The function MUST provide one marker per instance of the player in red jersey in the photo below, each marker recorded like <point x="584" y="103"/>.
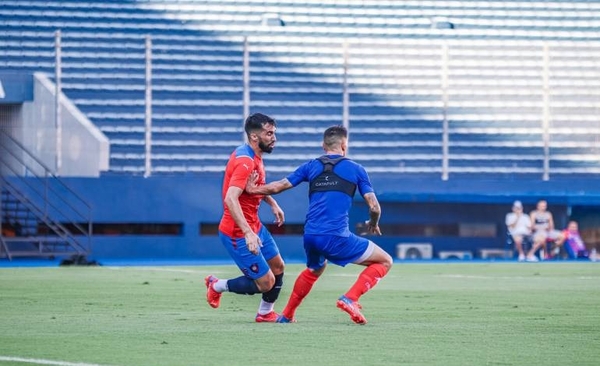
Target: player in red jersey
<point x="248" y="242"/>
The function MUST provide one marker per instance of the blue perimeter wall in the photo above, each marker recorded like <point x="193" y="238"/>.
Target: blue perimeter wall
<point x="196" y="199"/>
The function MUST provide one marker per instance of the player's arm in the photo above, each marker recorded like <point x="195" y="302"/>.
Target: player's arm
<point x="277" y="211"/>
<point x="374" y="213"/>
<point x="267" y="189"/>
<point x="235" y="209"/>
<point x="366" y="190"/>
<point x="275" y="187"/>
<point x="232" y="200"/>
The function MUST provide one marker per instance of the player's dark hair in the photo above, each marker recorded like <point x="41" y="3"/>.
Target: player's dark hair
<point x="333" y="135"/>
<point x="257" y="121"/>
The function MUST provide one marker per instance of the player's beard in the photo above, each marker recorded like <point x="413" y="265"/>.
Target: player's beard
<point x="264" y="147"/>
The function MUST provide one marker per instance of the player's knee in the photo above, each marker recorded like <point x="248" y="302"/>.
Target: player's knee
<point x="277" y="265"/>
<point x="319" y="271"/>
<point x="387" y="261"/>
<point x="266" y="282"/>
<point x="264" y="286"/>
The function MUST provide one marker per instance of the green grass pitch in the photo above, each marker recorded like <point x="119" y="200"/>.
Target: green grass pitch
<point x="420" y="314"/>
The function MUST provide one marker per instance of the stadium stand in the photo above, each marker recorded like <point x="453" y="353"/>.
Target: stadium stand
<point x="495" y="71"/>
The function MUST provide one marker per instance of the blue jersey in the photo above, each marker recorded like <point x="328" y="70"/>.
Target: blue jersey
<point x="328" y="210"/>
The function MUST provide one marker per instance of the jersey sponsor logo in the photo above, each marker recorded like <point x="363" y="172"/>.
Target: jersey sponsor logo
<point x="254" y="267"/>
<point x="246" y="166"/>
<point x="326" y="184"/>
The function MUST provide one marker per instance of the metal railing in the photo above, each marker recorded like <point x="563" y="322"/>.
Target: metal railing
<point x="63" y="217"/>
<point x="536" y="68"/>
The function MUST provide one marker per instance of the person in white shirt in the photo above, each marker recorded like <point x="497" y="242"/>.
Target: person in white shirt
<point x="543" y="230"/>
<point x="519" y="227"/>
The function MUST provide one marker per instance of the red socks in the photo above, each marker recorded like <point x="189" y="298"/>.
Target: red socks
<point x="367" y="279"/>
<point x="302" y="287"/>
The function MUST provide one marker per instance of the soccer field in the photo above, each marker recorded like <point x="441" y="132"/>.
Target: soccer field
<point x="420" y="314"/>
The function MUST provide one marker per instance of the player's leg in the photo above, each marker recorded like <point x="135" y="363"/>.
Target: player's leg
<point x="358" y="250"/>
<point x="378" y="263"/>
<point x="315" y="266"/>
<point x="257" y="276"/>
<point x="270" y="251"/>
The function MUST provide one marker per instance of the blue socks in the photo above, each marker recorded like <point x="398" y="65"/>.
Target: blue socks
<point x="242" y="285"/>
<point x="273" y="294"/>
<point x="245" y="286"/>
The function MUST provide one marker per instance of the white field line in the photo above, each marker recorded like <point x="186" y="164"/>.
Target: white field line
<point x="151" y="269"/>
<point x="288" y="274"/>
<point x="510" y="277"/>
<point x="38" y="361"/>
<point x="193" y="271"/>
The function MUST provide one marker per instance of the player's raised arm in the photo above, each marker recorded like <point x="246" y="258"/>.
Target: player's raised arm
<point x="374" y="213"/>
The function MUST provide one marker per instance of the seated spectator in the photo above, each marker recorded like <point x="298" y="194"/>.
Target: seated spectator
<point x="519" y="228"/>
<point x="572" y="242"/>
<point x="543" y="227"/>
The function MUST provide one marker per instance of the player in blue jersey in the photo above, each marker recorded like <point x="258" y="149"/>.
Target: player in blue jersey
<point x="333" y="181"/>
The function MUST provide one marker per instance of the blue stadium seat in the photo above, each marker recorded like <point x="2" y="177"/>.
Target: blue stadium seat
<point x="495" y="93"/>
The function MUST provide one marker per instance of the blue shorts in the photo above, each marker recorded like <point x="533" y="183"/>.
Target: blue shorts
<point x="339" y="250"/>
<point x="251" y="265"/>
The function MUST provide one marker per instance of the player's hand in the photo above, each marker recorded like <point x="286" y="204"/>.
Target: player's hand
<point x="253" y="242"/>
<point x="279" y="215"/>
<point x="251" y="183"/>
<point x="373" y="229"/>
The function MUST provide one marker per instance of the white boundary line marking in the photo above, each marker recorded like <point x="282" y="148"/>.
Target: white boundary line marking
<point x="481" y="277"/>
<point x="45" y="362"/>
<point x="293" y="274"/>
<point x="193" y="271"/>
<point x="158" y="269"/>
